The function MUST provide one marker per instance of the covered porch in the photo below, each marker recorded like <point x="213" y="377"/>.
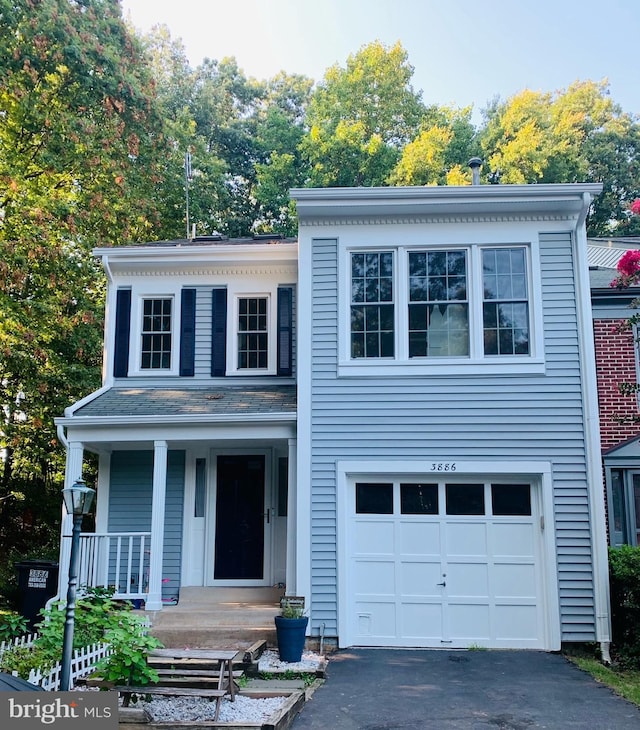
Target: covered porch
<point x="205" y="501"/>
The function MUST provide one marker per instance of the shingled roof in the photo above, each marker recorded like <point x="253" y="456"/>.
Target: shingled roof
<point x="232" y="401"/>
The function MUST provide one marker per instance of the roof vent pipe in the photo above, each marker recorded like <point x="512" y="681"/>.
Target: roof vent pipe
<point x="475" y="163"/>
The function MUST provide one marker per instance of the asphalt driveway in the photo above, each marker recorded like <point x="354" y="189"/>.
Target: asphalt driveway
<point x="382" y="689"/>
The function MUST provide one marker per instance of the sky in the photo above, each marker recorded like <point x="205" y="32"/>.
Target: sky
<point x="464" y="52"/>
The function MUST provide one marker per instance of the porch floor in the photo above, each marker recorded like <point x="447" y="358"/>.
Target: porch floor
<point x="220" y="618"/>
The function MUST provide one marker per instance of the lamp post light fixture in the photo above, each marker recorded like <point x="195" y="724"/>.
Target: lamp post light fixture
<point x="77" y="500"/>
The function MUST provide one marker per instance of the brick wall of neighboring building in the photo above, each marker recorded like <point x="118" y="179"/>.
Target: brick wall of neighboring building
<point x="615" y="363"/>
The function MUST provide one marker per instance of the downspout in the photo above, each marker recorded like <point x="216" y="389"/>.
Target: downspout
<point x="592" y="438"/>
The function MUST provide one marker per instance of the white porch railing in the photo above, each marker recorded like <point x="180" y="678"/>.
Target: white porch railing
<point x="117" y="560"/>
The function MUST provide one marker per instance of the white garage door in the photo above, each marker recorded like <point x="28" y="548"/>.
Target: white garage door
<point x="444" y="565"/>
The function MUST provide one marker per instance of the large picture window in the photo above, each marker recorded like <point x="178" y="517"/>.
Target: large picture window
<point x="440" y="304"/>
<point x="156" y="334"/>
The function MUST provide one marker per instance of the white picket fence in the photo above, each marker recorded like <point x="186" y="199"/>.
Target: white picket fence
<point x="25" y="640"/>
<point x="83" y="662"/>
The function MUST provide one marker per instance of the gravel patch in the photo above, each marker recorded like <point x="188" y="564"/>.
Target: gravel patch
<point x="270" y="662"/>
<point x="195" y="709"/>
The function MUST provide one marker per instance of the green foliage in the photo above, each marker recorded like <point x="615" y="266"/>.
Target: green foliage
<point x="131" y="644"/>
<point x="575" y="135"/>
<point x="624" y="573"/>
<point x="361" y="116"/>
<point x="95" y="613"/>
<point x="22" y="659"/>
<point x="80" y="143"/>
<point x="624" y="682"/>
<point x="98" y="618"/>
<point x="291" y="610"/>
<point x="12" y="625"/>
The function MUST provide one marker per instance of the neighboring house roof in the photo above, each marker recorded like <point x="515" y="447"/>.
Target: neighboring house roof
<point x="211" y="401"/>
<point x="603" y="255"/>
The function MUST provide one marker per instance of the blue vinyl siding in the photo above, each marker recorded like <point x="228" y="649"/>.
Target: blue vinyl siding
<point x="204" y="327"/>
<point x="130" y="505"/>
<point x="466" y="417"/>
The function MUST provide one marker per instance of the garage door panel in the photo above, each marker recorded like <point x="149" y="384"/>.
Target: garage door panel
<point x="375" y="576"/>
<point x="468" y="621"/>
<point x="465" y="538"/>
<point x="419" y="538"/>
<point x="420" y="579"/>
<point x="421" y="621"/>
<point x="376" y="620"/>
<point x="467" y="579"/>
<point x="375" y="536"/>
<point x="513" y="540"/>
<point x="516" y="623"/>
<point x="514" y="581"/>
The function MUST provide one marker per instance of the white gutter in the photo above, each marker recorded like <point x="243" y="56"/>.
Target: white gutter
<point x="163" y="420"/>
<point x="601" y="592"/>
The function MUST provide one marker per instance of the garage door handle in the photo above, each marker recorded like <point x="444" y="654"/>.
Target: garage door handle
<point x="444" y="583"/>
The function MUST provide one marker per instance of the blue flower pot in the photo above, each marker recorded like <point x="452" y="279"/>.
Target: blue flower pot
<point x="291" y="634"/>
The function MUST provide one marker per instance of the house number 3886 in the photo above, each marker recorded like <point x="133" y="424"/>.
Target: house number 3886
<point x="443" y="466"/>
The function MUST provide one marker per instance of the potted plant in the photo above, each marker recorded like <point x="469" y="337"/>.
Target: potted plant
<point x="291" y="629"/>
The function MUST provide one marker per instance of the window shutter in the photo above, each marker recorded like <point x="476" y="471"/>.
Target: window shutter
<point x="285" y="330"/>
<point x="188" y="332"/>
<point x="219" y="333"/>
<point x="123" y="329"/>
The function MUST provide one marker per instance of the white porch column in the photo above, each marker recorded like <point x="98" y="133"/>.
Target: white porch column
<point x="73" y="472"/>
<point x="160" y="453"/>
<point x="292" y="522"/>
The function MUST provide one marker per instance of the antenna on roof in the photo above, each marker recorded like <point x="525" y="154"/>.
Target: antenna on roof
<point x="188" y="177"/>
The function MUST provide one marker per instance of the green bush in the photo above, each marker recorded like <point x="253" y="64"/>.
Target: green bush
<point x="130" y="645"/>
<point x="12" y="625"/>
<point x="98" y="618"/>
<point x="624" y="574"/>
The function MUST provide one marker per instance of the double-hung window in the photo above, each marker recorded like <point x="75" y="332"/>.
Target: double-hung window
<point x="505" y="308"/>
<point x="156" y="334"/>
<point x="253" y="337"/>
<point x="438" y="304"/>
<point x="442" y="305"/>
<point x="372" y="307"/>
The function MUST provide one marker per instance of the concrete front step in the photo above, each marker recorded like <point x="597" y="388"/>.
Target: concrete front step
<point x="211" y="638"/>
<point x="218" y="618"/>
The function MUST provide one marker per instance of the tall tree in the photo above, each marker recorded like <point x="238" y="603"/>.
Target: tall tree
<point x="281" y="128"/>
<point x="439" y="154"/>
<point x="578" y="134"/>
<point x="79" y="144"/>
<point x="361" y="116"/>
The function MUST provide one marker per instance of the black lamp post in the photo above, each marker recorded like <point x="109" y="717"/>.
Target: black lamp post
<point x="77" y="500"/>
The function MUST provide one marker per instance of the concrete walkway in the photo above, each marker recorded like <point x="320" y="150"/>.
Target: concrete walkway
<point x="383" y="689"/>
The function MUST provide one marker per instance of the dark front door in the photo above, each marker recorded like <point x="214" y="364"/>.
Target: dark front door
<point x="239" y="541"/>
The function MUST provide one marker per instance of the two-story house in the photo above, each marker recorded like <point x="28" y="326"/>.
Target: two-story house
<point x="195" y="424"/>
<point x="435" y="483"/>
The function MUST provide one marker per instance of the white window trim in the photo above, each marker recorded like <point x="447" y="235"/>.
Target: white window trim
<point x="135" y="351"/>
<point x="476" y="362"/>
<point x="232" y="332"/>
